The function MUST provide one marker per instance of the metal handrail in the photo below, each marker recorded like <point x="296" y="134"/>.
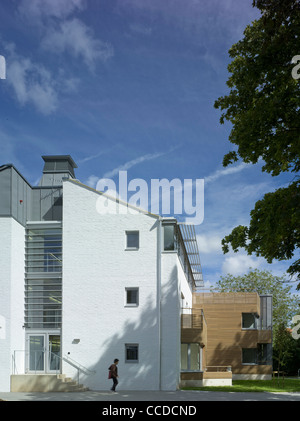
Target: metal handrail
<point x="68" y="360"/>
<point x="37" y="360"/>
<point x="78" y="366"/>
<point x="193" y="312"/>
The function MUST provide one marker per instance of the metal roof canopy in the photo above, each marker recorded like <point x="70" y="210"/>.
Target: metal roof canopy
<point x="188" y="234"/>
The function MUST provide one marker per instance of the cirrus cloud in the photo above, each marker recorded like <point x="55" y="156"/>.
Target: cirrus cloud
<point x="36" y="10"/>
<point x="32" y="83"/>
<point x="39" y="82"/>
<point x="76" y="38"/>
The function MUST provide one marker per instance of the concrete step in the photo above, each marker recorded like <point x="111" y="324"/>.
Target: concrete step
<point x="45" y="383"/>
<point x="74" y="386"/>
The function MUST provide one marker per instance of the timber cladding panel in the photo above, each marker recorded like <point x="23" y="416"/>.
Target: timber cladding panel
<point x="225" y="336"/>
<point x="194" y="335"/>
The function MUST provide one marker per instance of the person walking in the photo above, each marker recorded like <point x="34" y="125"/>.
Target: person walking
<point x="113" y="374"/>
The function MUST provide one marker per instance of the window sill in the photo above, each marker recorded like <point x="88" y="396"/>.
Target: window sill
<point x="249" y="328"/>
<point x="249" y="364"/>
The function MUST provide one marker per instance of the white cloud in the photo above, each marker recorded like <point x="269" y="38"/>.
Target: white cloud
<point x="226" y="171"/>
<point x="70" y="84"/>
<point x="92" y="181"/>
<point x="132" y="163"/>
<point x="35" y="10"/>
<point x="209" y="243"/>
<point x="74" y="37"/>
<point x="90" y="157"/>
<point x="207" y="286"/>
<point x="197" y="17"/>
<point x="62" y="33"/>
<point x="239" y="264"/>
<point x="141" y="29"/>
<point x="32" y="83"/>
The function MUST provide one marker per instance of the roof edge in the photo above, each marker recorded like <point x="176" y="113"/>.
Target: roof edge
<point x="115" y="199"/>
<point x="60" y="158"/>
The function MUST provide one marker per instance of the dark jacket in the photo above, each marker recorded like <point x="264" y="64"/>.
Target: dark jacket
<point x="114" y="370"/>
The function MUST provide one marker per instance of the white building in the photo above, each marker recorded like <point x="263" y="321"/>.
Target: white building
<point x="79" y="288"/>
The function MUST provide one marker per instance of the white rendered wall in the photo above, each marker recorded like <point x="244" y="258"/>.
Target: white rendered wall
<point x="173" y="285"/>
<point x="12" y="236"/>
<point x="185" y="289"/>
<point x="170" y="322"/>
<point x="96" y="270"/>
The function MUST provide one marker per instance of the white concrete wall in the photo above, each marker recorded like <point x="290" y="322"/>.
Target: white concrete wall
<point x="170" y="322"/>
<point x="173" y="284"/>
<point x="12" y="237"/>
<point x="184" y="287"/>
<point x="251" y="376"/>
<point x="96" y="271"/>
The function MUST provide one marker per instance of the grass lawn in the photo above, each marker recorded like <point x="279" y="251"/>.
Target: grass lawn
<point x="288" y="385"/>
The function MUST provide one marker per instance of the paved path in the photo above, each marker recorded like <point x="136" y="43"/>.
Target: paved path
<point x="154" y="396"/>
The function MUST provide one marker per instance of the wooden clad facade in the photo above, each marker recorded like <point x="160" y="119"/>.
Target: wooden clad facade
<point x="232" y="337"/>
<point x="226" y="337"/>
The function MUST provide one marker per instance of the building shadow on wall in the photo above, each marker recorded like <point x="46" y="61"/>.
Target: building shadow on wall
<point x="225" y="356"/>
<point x="232" y="355"/>
<point x="145" y="332"/>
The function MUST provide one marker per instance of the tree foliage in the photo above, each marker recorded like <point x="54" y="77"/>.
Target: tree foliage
<point x="274" y="227"/>
<point x="263" y="106"/>
<point x="285" y="304"/>
<point x="286" y="351"/>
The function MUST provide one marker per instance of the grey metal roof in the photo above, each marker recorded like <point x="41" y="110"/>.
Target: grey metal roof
<point x="67" y="158"/>
<point x="190" y="241"/>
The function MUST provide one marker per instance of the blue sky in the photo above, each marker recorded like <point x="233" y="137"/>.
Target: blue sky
<point x="131" y="84"/>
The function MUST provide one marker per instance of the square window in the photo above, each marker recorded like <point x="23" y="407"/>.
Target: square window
<point x="131" y="353"/>
<point x="248" y="321"/>
<point x="249" y="356"/>
<point x="132" y="240"/>
<point x="131" y="297"/>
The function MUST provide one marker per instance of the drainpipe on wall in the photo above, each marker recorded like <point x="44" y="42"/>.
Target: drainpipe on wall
<point x="159" y="240"/>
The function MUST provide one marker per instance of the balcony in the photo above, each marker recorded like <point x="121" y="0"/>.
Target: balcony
<point x="264" y="336"/>
<point x="193" y="331"/>
<point x="193" y="326"/>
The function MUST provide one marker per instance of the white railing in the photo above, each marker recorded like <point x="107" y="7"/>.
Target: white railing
<point x="39" y="360"/>
<point x="79" y="367"/>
